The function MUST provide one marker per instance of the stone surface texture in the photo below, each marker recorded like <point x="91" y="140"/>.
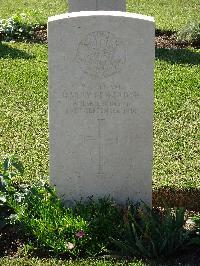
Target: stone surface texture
<point x="106" y="5"/>
<point x="101" y="105"/>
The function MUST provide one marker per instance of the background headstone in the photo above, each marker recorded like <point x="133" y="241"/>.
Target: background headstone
<point x="101" y="105"/>
<point x="107" y="5"/>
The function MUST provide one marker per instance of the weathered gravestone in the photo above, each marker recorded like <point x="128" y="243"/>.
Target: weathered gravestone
<point x="101" y="105"/>
<point x="81" y="5"/>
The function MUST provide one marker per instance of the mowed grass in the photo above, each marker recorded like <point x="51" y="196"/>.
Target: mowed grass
<point x="54" y="262"/>
<point x="24" y="112"/>
<point x="184" y="260"/>
<point x="37" y="10"/>
<point x="169" y="14"/>
<point x="24" y="106"/>
<point x="177" y="118"/>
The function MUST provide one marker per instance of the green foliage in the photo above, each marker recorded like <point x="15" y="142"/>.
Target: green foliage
<point x="90" y="228"/>
<point x="16" y="27"/>
<point x="152" y="233"/>
<point x="39" y="211"/>
<point x="52" y="227"/>
<point x="83" y="230"/>
<point x="105" y="220"/>
<point x="41" y="214"/>
<point x="9" y="168"/>
<point x="190" y="33"/>
<point x="196" y="219"/>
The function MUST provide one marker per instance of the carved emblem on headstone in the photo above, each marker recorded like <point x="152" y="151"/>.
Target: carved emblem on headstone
<point x="101" y="54"/>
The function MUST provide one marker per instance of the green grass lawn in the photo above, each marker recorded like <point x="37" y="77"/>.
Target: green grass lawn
<point x="177" y="118"/>
<point x="169" y="14"/>
<point x="181" y="261"/>
<point x="54" y="262"/>
<point x="24" y="115"/>
<point x="23" y="105"/>
<point x="37" y="10"/>
<point x="95" y="262"/>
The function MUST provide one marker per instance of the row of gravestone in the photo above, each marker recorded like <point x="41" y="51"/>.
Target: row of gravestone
<point x="106" y="5"/>
<point x="101" y="102"/>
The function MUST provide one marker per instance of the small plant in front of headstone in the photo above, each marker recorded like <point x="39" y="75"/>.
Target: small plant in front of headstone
<point x="105" y="219"/>
<point x="190" y="33"/>
<point x="53" y="228"/>
<point x="80" y="231"/>
<point x="17" y="27"/>
<point x="91" y="228"/>
<point x="153" y="233"/>
<point x="38" y="212"/>
<point x="9" y="168"/>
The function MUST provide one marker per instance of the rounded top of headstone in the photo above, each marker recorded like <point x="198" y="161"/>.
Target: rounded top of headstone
<point x="92" y="5"/>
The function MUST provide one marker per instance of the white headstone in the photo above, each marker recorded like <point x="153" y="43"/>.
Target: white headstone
<point x="101" y="105"/>
<point x="106" y="5"/>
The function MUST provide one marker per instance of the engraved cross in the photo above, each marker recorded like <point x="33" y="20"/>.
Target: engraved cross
<point x="101" y="141"/>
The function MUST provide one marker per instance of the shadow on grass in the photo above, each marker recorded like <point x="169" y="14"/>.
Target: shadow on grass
<point x="188" y="257"/>
<point x="178" y="56"/>
<point x="9" y="52"/>
<point x="161" y="32"/>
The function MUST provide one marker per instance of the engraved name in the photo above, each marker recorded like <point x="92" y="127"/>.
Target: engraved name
<point x="101" y="101"/>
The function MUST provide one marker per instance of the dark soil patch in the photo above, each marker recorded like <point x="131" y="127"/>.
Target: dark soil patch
<point x="189" y="257"/>
<point x="165" y="39"/>
<point x="11" y="240"/>
<point x="172" y="197"/>
<point x="170" y="41"/>
<point x="40" y="34"/>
